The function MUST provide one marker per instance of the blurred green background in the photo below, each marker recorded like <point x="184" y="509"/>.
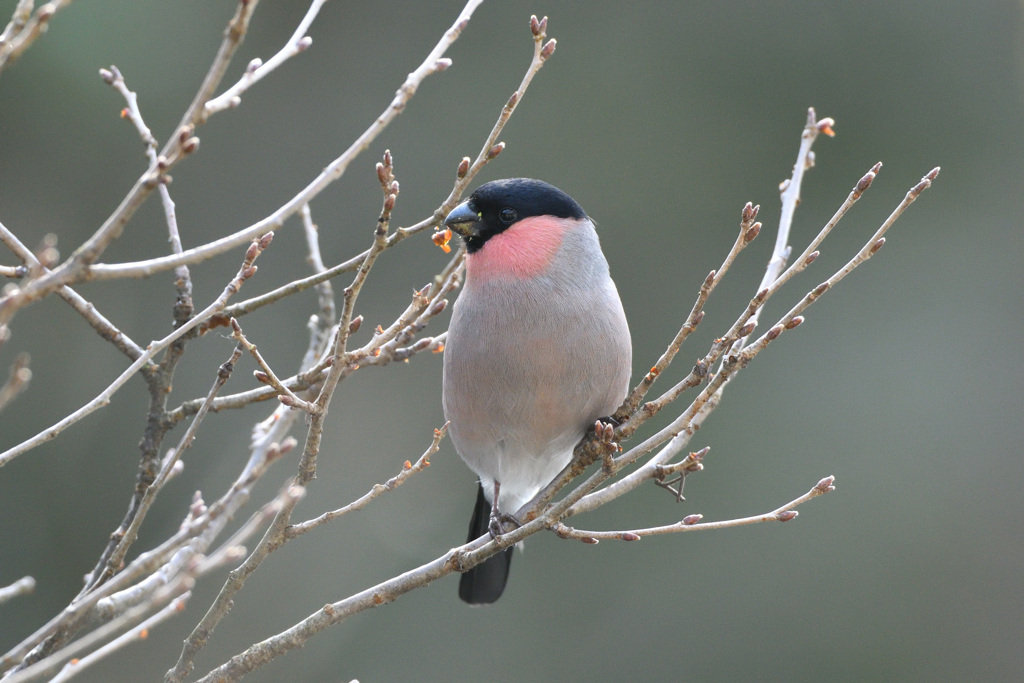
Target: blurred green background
<point x="661" y="119"/>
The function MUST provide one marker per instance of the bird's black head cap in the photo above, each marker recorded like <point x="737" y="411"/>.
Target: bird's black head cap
<point x="499" y="204"/>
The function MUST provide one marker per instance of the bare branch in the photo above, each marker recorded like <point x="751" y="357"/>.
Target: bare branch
<point x="167" y="467"/>
<point x="434" y="63"/>
<point x="180" y="145"/>
<point x="247" y="270"/>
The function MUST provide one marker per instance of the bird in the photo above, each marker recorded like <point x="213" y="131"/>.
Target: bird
<point x="538" y="349"/>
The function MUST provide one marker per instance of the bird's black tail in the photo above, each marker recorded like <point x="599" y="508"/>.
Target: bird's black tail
<point x="485" y="582"/>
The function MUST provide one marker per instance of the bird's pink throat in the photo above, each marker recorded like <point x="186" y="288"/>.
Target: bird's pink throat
<point x="524" y="250"/>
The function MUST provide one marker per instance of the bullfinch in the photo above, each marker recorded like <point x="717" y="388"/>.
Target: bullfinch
<point x="538" y="349"/>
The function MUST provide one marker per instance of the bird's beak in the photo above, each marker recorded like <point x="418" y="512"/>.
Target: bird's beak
<point x="463" y="220"/>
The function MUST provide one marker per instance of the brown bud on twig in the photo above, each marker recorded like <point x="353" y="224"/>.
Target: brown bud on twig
<point x="820" y="289"/>
<point x="797" y="320"/>
<point x="630" y="536"/>
<point x="864" y="183"/>
<point x="249" y="272"/>
<point x="304" y="43"/>
<point x="548" y="49"/>
<point x="750" y="212"/>
<point x="107" y="76"/>
<point x="496" y="150"/>
<point x="438" y="306"/>
<point x="252" y="252"/>
<point x="382" y="174"/>
<point x="933" y="174"/>
<point x="810" y="257"/>
<point x="879" y="243"/>
<point x="747" y="329"/>
<point x="589" y="540"/>
<point x="190" y="145"/>
<point x="353" y="326"/>
<point x="752" y="232"/>
<point x="774" y="332"/>
<point x="690" y="520"/>
<point x="185" y="132"/>
<point x="463" y="168"/>
<point x="422" y="344"/>
<point x="266" y="240"/>
<point x="261" y="376"/>
<point x="534" y="25"/>
<point x="288" y="401"/>
<point x="826" y="485"/>
<point x="389" y="203"/>
<point x="512" y="100"/>
<point x="786" y="515"/>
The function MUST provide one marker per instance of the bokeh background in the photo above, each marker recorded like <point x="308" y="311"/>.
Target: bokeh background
<point x="661" y="119"/>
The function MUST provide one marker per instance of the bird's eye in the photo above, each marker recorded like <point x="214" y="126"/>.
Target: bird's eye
<point x="507" y="215"/>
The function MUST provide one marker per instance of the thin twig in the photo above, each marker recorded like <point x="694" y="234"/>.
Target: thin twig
<point x="408" y="469"/>
<point x="257" y="69"/>
<point x="23" y="586"/>
<point x="784" y="513"/>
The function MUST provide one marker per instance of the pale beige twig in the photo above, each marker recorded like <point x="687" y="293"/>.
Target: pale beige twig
<point x="23" y="586"/>
<point x="784" y="513"/>
<point x="257" y="68"/>
<point x="266" y="373"/>
<point x="391" y="484"/>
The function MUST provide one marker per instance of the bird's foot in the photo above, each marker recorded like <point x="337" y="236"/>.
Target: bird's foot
<point x="500" y="522"/>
